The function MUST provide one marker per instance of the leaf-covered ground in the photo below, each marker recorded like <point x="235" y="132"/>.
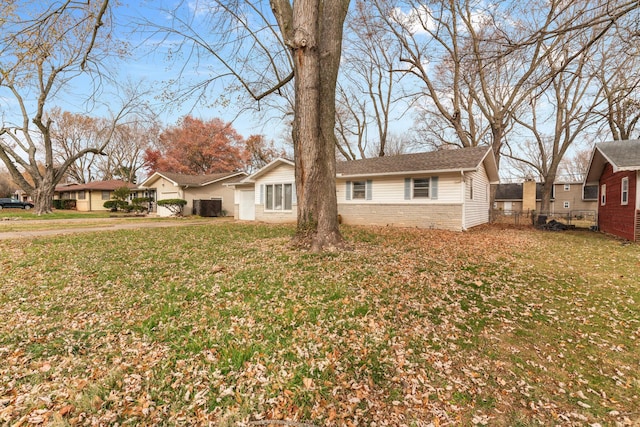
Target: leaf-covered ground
<point x="227" y="325"/>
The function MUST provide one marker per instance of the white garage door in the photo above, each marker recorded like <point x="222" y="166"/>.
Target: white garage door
<point x="247" y="209"/>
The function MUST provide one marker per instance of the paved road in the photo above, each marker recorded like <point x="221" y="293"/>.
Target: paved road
<point x="66" y="227"/>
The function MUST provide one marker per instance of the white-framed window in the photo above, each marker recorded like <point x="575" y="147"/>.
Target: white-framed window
<point x="106" y="195"/>
<point x="566" y="205"/>
<point x="421" y="188"/>
<point x="278" y="197"/>
<point x="359" y="190"/>
<point x="603" y="194"/>
<point x="470" y="188"/>
<point x="624" y="191"/>
<point x="567" y="187"/>
<point x="81" y="195"/>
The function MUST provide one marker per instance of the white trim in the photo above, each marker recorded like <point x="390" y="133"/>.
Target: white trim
<point x="405" y="173"/>
<point x="623" y="192"/>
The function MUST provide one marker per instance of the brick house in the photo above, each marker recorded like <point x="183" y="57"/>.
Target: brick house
<point x="92" y="195"/>
<point x="615" y="168"/>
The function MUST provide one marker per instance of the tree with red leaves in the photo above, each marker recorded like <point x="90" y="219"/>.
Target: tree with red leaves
<point x="198" y="147"/>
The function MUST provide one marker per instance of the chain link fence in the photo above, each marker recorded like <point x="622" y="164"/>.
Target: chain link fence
<point x="586" y="219"/>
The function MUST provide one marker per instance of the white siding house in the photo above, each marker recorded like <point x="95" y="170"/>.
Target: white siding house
<point x="274" y="194"/>
<point x="446" y="189"/>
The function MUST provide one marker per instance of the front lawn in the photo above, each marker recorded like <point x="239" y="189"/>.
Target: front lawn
<point x="225" y="323"/>
<point x="8" y="214"/>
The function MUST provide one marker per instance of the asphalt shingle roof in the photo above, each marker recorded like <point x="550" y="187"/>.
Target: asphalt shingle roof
<point x="624" y="154"/>
<point x="511" y="191"/>
<point x="434" y="161"/>
<point x="110" y="185"/>
<point x="195" y="180"/>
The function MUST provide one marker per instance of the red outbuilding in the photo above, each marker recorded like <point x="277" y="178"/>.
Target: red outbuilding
<point x="615" y="168"/>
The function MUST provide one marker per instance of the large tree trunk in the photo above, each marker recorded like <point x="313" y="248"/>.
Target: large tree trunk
<point x="313" y="30"/>
<point x="43" y="195"/>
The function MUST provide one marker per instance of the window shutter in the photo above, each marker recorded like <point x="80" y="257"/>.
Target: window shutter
<point x="434" y="188"/>
<point x="294" y="194"/>
<point x="407" y="188"/>
<point x="348" y="191"/>
<point x="367" y="190"/>
<point x="262" y="194"/>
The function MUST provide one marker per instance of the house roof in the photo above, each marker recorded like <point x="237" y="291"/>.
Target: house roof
<point x="457" y="160"/>
<point x="509" y="191"/>
<point x="110" y="185"/>
<point x="183" y="180"/>
<point x="462" y="159"/>
<point x="622" y="155"/>
<point x="513" y="192"/>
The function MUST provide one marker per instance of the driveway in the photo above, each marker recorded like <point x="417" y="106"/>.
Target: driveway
<point x="106" y="224"/>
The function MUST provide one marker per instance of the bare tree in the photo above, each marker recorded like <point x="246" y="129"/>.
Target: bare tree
<point x="395" y="144"/>
<point x="572" y="105"/>
<point x="43" y="47"/>
<point x="125" y="153"/>
<point x="616" y="64"/>
<point x="574" y="167"/>
<point x="72" y="133"/>
<point x="479" y="63"/>
<point x="351" y="124"/>
<point x="261" y="51"/>
<point x="7" y="187"/>
<point x="370" y="88"/>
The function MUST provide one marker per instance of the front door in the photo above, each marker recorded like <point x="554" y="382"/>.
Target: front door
<point x="247" y="208"/>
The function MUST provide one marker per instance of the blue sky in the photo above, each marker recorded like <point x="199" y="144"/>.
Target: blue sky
<point x="149" y="64"/>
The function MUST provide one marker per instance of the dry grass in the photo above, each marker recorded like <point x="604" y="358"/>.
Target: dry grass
<point x="226" y="324"/>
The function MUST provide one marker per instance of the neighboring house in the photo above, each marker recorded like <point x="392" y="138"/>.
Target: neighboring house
<point x="446" y="189"/>
<point x="268" y="195"/>
<point x="90" y="196"/>
<point x="573" y="198"/>
<point x="615" y="168"/>
<point x="22" y="196"/>
<point x="168" y="185"/>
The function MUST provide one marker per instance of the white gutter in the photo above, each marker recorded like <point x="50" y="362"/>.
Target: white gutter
<point x="426" y="172"/>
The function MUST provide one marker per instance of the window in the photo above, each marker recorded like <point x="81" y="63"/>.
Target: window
<point x="624" y="191"/>
<point x="566" y="205"/>
<point x="470" y="188"/>
<point x="421" y="188"/>
<point x="106" y="195"/>
<point x="603" y="194"/>
<point x="81" y="195"/>
<point x="567" y="187"/>
<point x="278" y="197"/>
<point x="359" y="190"/>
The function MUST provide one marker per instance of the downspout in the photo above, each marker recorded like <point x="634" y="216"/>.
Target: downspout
<point x="464" y="207"/>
